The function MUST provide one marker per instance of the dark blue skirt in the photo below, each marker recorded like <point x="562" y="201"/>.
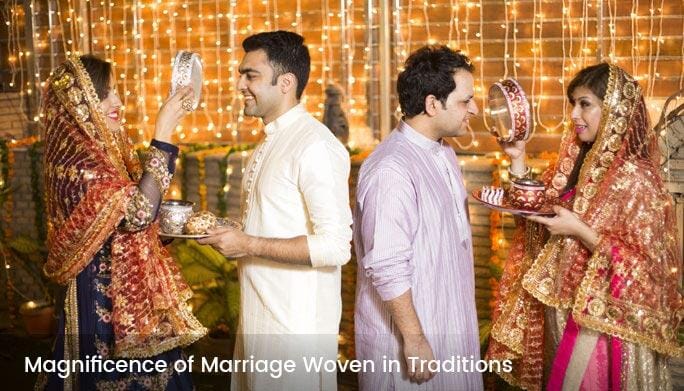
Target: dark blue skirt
<point x="96" y="337"/>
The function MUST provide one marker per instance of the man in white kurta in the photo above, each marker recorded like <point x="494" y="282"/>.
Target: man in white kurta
<point x="295" y="184"/>
<point x="295" y="201"/>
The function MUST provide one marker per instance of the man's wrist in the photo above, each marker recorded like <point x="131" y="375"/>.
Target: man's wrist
<point x="249" y="245"/>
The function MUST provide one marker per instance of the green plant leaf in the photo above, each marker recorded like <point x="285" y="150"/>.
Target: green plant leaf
<point x="193" y="253"/>
<point x="209" y="254"/>
<point x="183" y="254"/>
<point x="24" y="245"/>
<point x="229" y="266"/>
<point x="496" y="271"/>
<point x="210" y="313"/>
<point x="485" y="330"/>
<point x="197" y="274"/>
<point x="232" y="291"/>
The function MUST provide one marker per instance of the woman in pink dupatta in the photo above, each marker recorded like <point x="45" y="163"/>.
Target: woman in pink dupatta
<point x="591" y="298"/>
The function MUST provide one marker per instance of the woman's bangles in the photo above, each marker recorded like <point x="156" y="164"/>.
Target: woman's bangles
<point x="519" y="176"/>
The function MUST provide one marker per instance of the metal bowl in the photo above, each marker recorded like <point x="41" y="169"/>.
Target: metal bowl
<point x="173" y="214"/>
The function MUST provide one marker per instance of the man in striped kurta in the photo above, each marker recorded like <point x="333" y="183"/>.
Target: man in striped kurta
<point x="415" y="295"/>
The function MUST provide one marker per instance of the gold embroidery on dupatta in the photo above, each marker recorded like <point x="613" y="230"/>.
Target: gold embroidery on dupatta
<point x="596" y="310"/>
<point x="596" y="163"/>
<point x="593" y="306"/>
<point x="71" y="252"/>
<point x="82" y="103"/>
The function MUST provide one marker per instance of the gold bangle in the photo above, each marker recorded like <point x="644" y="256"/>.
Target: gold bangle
<point x="519" y="176"/>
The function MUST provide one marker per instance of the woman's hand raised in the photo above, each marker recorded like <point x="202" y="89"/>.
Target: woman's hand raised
<point x="516" y="152"/>
<point x="514" y="149"/>
<point x="171" y="113"/>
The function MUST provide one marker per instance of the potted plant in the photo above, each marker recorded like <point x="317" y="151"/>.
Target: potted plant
<point x="213" y="279"/>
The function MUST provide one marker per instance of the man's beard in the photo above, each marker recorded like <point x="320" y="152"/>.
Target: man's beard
<point x="251" y="111"/>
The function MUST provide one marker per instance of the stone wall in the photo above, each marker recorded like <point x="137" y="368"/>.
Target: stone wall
<point x="23" y="212"/>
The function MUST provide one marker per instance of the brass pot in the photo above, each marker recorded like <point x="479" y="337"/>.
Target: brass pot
<point x="39" y="318"/>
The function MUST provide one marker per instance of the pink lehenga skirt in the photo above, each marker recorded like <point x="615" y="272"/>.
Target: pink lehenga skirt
<point x="587" y="360"/>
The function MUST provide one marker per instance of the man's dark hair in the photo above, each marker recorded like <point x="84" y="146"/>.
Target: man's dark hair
<point x="429" y="71"/>
<point x="286" y="52"/>
<point x="594" y="78"/>
<point x="100" y="72"/>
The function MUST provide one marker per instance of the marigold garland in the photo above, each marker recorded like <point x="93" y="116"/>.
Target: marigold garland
<point x="202" y="176"/>
<point x="186" y="149"/>
<point x="201" y="167"/>
<point x="182" y="163"/>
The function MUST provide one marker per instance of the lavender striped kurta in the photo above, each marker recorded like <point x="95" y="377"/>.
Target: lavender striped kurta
<point x="411" y="231"/>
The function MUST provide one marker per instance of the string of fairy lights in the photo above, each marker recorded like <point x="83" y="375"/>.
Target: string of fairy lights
<point x="10" y="16"/>
<point x="574" y="24"/>
<point x="140" y="38"/>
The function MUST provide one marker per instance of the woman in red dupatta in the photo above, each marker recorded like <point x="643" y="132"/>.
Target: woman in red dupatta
<point x="591" y="298"/>
<point x="125" y="296"/>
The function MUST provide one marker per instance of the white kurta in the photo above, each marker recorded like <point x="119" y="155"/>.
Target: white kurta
<point x="296" y="183"/>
